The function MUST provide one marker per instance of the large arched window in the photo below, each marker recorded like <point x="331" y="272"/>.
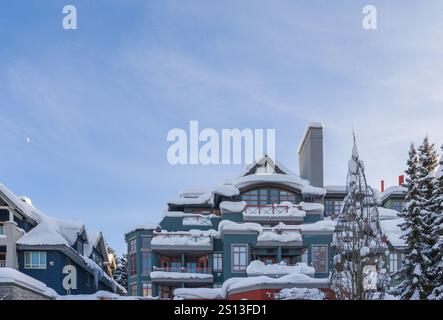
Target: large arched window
<point x="268" y="195"/>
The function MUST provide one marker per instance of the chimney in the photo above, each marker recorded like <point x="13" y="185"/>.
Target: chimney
<point x="382" y="186"/>
<point x="401" y="180"/>
<point x="310" y="153"/>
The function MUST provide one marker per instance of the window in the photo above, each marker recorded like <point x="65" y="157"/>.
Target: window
<point x="329" y="208"/>
<point x="147" y="263"/>
<point x="132" y="245"/>
<point x="218" y="261"/>
<point x="393" y="262"/>
<point x="35" y="260"/>
<point x="304" y="257"/>
<point x="97" y="259"/>
<point x="2" y="228"/>
<point x="146" y="243"/>
<point x="147" y="289"/>
<point x="133" y="289"/>
<point x="239" y="257"/>
<point x="263" y="196"/>
<point x="320" y="258"/>
<point x="337" y="207"/>
<point x="133" y="260"/>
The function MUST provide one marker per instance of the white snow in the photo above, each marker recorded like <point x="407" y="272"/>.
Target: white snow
<point x="227" y="190"/>
<point x="197" y="220"/>
<point x="387" y="214"/>
<point x="326" y="225"/>
<point x="283" y="236"/>
<point x="198" y="293"/>
<point x="257" y="268"/>
<point x="227" y="226"/>
<point x="202" y="199"/>
<point x="311" y="206"/>
<point x="179" y="275"/>
<point x="300" y="294"/>
<point x="232" y="206"/>
<point x="102" y="295"/>
<point x="290" y="280"/>
<point x="336" y="189"/>
<point x="392" y="190"/>
<point x="392" y="231"/>
<point x="9" y="275"/>
<point x="146" y="226"/>
<point x="183" y="238"/>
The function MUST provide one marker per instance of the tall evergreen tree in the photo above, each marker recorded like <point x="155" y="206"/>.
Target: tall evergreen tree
<point x="358" y="272"/>
<point x="436" y="255"/>
<point x="121" y="273"/>
<point x="411" y="272"/>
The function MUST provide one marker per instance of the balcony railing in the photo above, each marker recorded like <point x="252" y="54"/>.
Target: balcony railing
<point x="205" y="270"/>
<point x="270" y="209"/>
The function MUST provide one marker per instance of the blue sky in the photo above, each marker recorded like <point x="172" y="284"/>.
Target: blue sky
<point x="98" y="102"/>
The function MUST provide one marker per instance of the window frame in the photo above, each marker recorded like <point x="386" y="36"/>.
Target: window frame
<point x="217" y="261"/>
<point x="132" y="245"/>
<point x="234" y="267"/>
<point x="148" y="287"/>
<point x="133" y="264"/>
<point x="29" y="263"/>
<point x="146" y="262"/>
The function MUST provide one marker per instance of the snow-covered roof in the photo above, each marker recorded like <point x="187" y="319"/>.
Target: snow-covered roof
<point x="258" y="268"/>
<point x="283" y="236"/>
<point x="146" y="226"/>
<point x="231" y="206"/>
<point x="183" y="238"/>
<point x="234" y="285"/>
<point x="398" y="190"/>
<point x="198" y="294"/>
<point x="227" y="226"/>
<point x="10" y="275"/>
<point x="325" y="225"/>
<point x="25" y="206"/>
<point x="392" y="231"/>
<point x="387" y="214"/>
<point x="103" y="295"/>
<point x="193" y="192"/>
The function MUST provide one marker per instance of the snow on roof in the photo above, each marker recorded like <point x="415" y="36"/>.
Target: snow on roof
<point x="227" y="190"/>
<point x="231" y="206"/>
<point x="146" y="226"/>
<point x="311" y="206"/>
<point x="198" y="293"/>
<point x="230" y="226"/>
<point x="202" y="199"/>
<point x="183" y="238"/>
<point x="282" y="236"/>
<point x="326" y="225"/>
<point x="290" y="280"/>
<point x="180" y="275"/>
<point x="27" y="209"/>
<point x="9" y="275"/>
<point x="392" y="190"/>
<point x="193" y="192"/>
<point x="290" y="180"/>
<point x="257" y="268"/>
<point x="392" y="231"/>
<point x="300" y="294"/>
<point x="102" y="295"/>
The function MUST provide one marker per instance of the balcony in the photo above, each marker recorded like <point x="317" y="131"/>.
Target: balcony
<point x="260" y="213"/>
<point x="177" y="275"/>
<point x="195" y="241"/>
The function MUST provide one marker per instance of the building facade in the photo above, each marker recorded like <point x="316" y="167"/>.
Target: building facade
<point x="61" y="254"/>
<point x="206" y="237"/>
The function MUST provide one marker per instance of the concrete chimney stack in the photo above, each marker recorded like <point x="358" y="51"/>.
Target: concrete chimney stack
<point x="310" y="153"/>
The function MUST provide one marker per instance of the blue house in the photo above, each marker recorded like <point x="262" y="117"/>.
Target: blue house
<point x="62" y="254"/>
<point x="268" y="221"/>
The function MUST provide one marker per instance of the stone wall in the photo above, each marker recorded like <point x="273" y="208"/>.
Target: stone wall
<point x="12" y="291"/>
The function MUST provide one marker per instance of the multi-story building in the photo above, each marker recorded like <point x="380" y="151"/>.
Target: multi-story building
<point x="62" y="254"/>
<point x="208" y="236"/>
